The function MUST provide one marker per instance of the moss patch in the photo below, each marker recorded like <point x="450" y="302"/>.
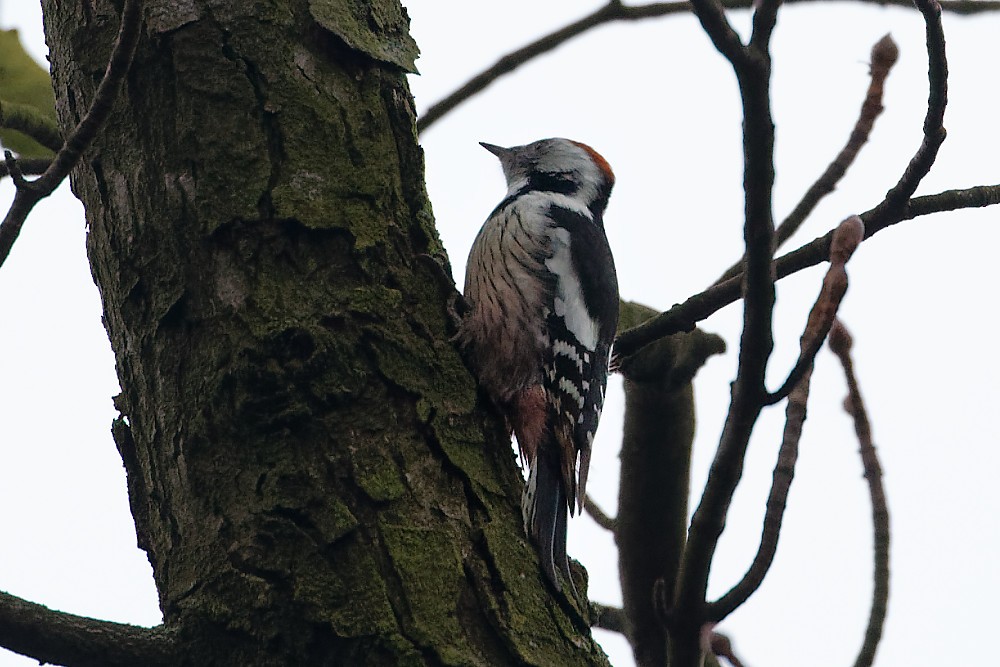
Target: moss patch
<point x="378" y="29"/>
<point x="430" y="572"/>
<point x="351" y="597"/>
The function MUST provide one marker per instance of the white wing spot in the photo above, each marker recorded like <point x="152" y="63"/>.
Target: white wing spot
<point x="569" y="301"/>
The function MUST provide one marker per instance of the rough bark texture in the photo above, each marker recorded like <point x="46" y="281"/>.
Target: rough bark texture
<point x="308" y="468"/>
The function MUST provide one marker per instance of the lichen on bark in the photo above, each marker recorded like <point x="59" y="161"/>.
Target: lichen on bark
<point x="309" y="468"/>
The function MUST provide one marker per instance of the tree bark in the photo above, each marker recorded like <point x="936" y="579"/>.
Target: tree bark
<point x="651" y="527"/>
<point x="309" y="469"/>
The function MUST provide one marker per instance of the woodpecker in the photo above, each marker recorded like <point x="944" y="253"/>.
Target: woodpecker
<point x="543" y="309"/>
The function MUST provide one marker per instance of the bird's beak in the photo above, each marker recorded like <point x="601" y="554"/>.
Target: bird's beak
<point x="499" y="151"/>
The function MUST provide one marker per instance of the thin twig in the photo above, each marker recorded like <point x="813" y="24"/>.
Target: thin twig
<point x="14" y="170"/>
<point x="883" y="56"/>
<point x="781" y="482"/>
<point x="29" y="194"/>
<point x="846" y="240"/>
<point x="840" y="343"/>
<point x="713" y="20"/>
<point x="950" y="200"/>
<point x="722" y="647"/>
<point x="937" y="100"/>
<point x="963" y="7"/>
<point x="897" y="206"/>
<point x="612" y="11"/>
<point x="66" y="639"/>
<point x="606" y="522"/>
<point x="684" y="316"/>
<point x="615" y="10"/>
<point x="764" y="17"/>
<point x="33" y="166"/>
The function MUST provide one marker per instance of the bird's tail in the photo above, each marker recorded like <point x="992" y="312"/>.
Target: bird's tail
<point x="544" y="506"/>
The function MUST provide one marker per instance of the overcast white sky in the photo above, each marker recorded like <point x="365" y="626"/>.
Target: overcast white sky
<point x="657" y="101"/>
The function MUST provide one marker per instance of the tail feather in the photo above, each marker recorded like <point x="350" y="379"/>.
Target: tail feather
<point x="545" y="509"/>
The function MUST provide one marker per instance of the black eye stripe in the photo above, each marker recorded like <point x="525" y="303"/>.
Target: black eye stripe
<point x="559" y="182"/>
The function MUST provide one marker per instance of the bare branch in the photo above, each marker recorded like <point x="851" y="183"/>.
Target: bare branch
<point x="606" y="522"/>
<point x="14" y="170"/>
<point x="615" y="10"/>
<point x="684" y="316"/>
<point x="846" y="240"/>
<point x="717" y="27"/>
<point x="883" y="56"/>
<point x="607" y="618"/>
<point x="950" y="200"/>
<point x="753" y="69"/>
<point x="896" y="206"/>
<point x="722" y="647"/>
<point x="76" y="641"/>
<point x="840" y="343"/>
<point x="29" y="194"/>
<point x="934" y="132"/>
<point x="764" y="16"/>
<point x="31" y="166"/>
<point x="963" y="7"/>
<point x="878" y="219"/>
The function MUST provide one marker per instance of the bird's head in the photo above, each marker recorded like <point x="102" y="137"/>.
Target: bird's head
<point x="560" y="166"/>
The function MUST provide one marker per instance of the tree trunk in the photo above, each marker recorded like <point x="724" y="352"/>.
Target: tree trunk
<point x="655" y="478"/>
<point x="308" y="467"/>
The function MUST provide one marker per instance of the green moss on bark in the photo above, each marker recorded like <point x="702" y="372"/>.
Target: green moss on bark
<point x="310" y="470"/>
<point x="429" y="569"/>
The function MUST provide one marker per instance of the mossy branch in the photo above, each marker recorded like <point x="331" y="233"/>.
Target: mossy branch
<point x="655" y="474"/>
<point x="77" y="641"/>
<point x="28" y="120"/>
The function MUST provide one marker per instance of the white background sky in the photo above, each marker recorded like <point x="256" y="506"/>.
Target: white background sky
<point x="658" y="102"/>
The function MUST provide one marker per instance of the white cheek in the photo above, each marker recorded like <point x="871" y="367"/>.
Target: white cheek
<point x="515" y="186"/>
